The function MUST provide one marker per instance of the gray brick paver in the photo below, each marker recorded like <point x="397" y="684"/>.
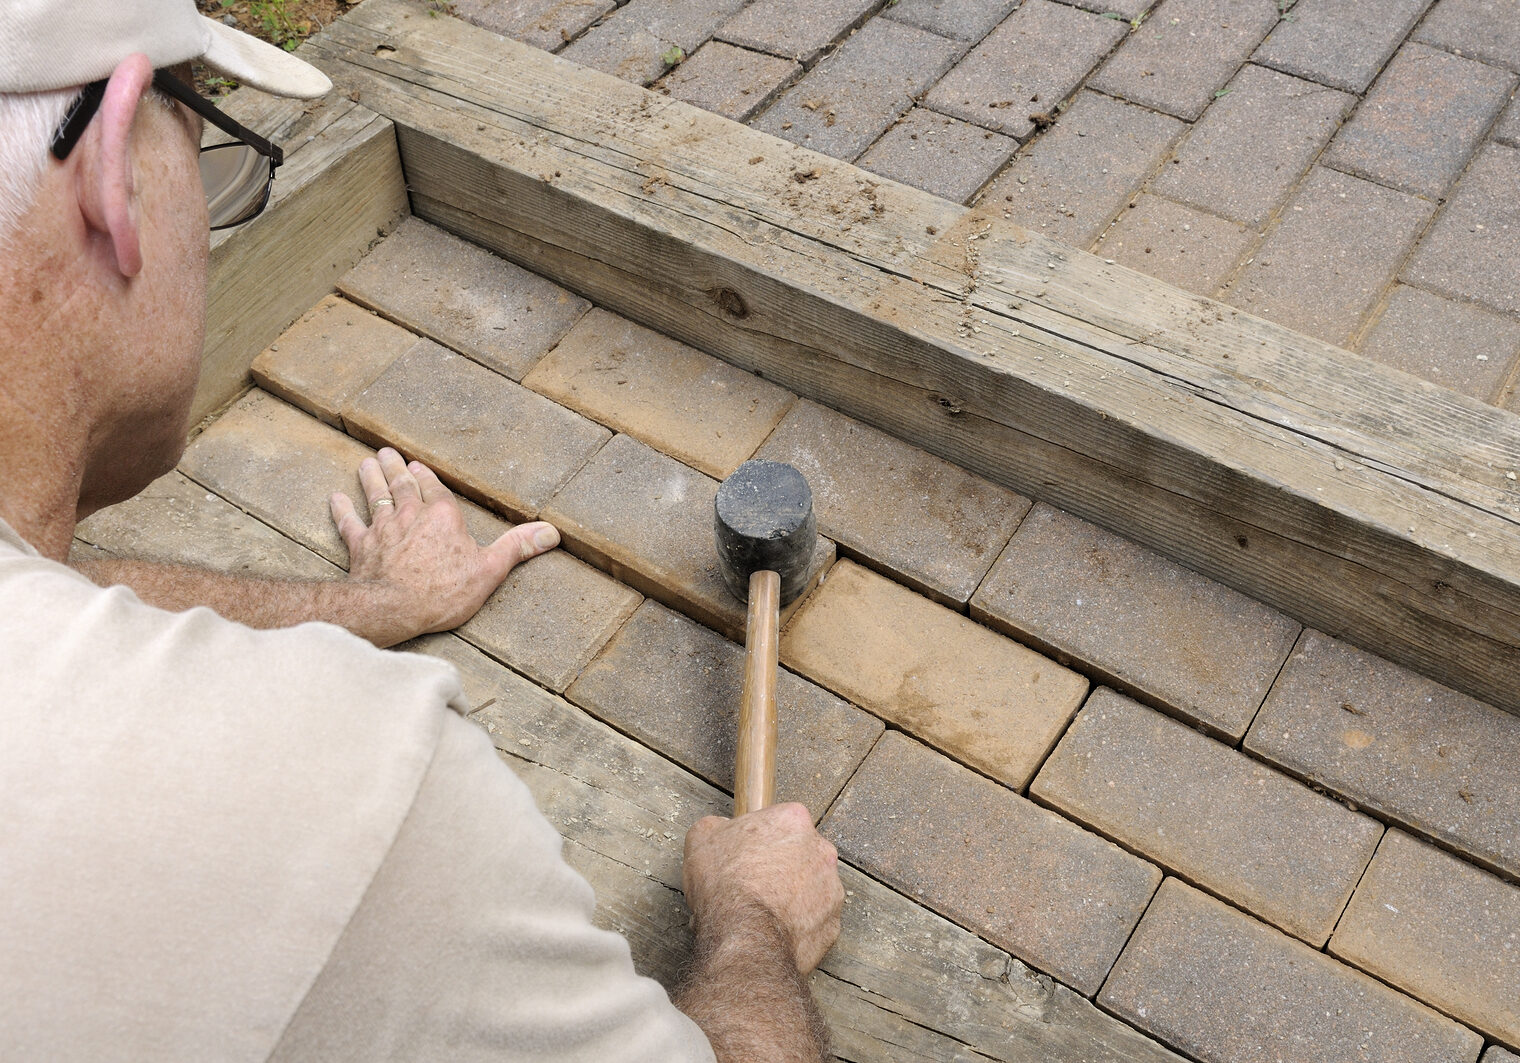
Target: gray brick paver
<point x="1073" y="180"/>
<point x="1340" y="43"/>
<point x="1458" y="345"/>
<point x="635" y="40"/>
<point x="674" y="685"/>
<point x="464" y="297"/>
<point x="939" y="154"/>
<point x="1136" y="619"/>
<point x="794" y="29"/>
<point x="1483" y="29"/>
<point x="1411" y="751"/>
<point x="1176" y="243"/>
<point x="1422" y="121"/>
<point x="1221" y="987"/>
<point x="1473" y="249"/>
<point x="1495" y="1054"/>
<point x="1034" y="60"/>
<point x="1200" y="809"/>
<point x="733" y="82"/>
<point x="1023" y="878"/>
<point x="1441" y="930"/>
<point x="963" y="20"/>
<point x="1185" y="52"/>
<point x="1340" y="243"/>
<point x="1508" y="129"/>
<point x="1250" y="148"/>
<point x="849" y="99"/>
<point x="927" y="522"/>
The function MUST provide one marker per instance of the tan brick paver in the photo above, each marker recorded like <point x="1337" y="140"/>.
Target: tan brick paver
<point x="1176" y="243"/>
<point x="981" y="698"/>
<point x="733" y="82"/>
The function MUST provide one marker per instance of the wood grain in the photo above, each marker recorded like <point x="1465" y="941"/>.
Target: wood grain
<point x="339" y="190"/>
<point x="1355" y="498"/>
<point x="755" y="750"/>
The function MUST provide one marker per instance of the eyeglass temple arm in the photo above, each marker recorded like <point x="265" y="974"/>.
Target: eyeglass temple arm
<point x="173" y="86"/>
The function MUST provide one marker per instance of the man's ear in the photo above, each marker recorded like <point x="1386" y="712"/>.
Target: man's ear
<point x="107" y="196"/>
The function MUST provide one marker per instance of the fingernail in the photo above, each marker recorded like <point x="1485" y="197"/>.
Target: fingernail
<point x="546" y="537"/>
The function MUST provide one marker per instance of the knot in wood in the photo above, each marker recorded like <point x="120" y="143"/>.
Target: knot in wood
<point x="730" y="302"/>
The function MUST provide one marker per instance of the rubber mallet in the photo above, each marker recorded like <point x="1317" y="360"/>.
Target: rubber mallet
<point x="766" y="533"/>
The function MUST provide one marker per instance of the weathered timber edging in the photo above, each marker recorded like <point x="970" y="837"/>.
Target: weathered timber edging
<point x="1362" y="501"/>
<point x="339" y="189"/>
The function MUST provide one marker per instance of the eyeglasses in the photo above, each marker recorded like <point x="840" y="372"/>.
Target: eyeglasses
<point x="236" y="176"/>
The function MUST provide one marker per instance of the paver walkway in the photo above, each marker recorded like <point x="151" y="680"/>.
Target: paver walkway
<point x="1350" y="168"/>
<point x="1092" y="805"/>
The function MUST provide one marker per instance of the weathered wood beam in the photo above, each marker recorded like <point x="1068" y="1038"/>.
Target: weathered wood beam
<point x="339" y="189"/>
<point x="1360" y="500"/>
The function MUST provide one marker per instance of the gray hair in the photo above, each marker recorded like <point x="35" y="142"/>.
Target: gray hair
<point x="27" y="123"/>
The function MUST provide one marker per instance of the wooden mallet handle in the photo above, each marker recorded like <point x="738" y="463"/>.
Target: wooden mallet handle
<point x="755" y="758"/>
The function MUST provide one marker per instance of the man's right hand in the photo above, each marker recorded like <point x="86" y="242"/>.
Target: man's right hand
<point x="773" y="858"/>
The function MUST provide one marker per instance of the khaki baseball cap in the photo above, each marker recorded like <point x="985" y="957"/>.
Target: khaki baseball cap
<point x="58" y="44"/>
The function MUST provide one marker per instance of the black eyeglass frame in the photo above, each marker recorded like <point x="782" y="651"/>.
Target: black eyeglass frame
<point x="83" y="109"/>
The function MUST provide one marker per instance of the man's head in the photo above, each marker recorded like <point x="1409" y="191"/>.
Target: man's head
<point x="103" y="221"/>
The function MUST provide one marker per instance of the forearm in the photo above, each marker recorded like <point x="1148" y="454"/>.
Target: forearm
<point x="745" y="992"/>
<point x="362" y="606"/>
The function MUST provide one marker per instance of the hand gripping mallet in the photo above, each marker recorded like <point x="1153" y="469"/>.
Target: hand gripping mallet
<point x="766" y="532"/>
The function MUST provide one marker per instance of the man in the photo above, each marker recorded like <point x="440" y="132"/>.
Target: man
<point x="218" y="842"/>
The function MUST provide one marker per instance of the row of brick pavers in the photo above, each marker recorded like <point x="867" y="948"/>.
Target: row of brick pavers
<point x="980" y="800"/>
<point x="1351" y="169"/>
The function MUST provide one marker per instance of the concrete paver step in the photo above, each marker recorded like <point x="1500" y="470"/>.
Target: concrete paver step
<point x="1339" y="43"/>
<point x="1201" y="810"/>
<point x="1018" y="875"/>
<point x="1218" y="986"/>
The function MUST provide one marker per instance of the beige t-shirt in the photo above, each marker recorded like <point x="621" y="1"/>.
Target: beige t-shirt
<point x="220" y="843"/>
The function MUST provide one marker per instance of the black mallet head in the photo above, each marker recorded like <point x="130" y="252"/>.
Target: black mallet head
<point x="763" y="519"/>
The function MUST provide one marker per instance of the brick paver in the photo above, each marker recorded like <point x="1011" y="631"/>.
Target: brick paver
<point x="1441" y="930"/>
<point x="677" y="399"/>
<point x="981" y="698"/>
<point x="1340" y="242"/>
<point x="546" y="24"/>
<point x="1177" y="244"/>
<point x="1055" y="896"/>
<point x="1201" y="810"/>
<point x="493" y="440"/>
<point x="280" y="465"/>
<point x="849" y="99"/>
<point x="964" y="20"/>
<point x="551" y="617"/>
<point x="674" y="685"/>
<point x="939" y="154"/>
<point x="462" y="295"/>
<point x="648" y="519"/>
<point x="1495" y="1054"/>
<point x="1340" y="43"/>
<point x="1071" y="182"/>
<point x="1251" y="147"/>
<point x="176" y="521"/>
<point x="794" y="29"/>
<point x="1473" y="249"/>
<point x="1143" y="623"/>
<point x="927" y="522"/>
<point x="733" y="82"/>
<point x="1220" y="987"/>
<point x="1483" y="29"/>
<point x="1027" y="66"/>
<point x="1459" y="345"/>
<point x="1508" y="129"/>
<point x="1413" y="752"/>
<point x="644" y="38"/>
<point x="330" y="355"/>
<point x="1422" y="121"/>
<point x="1185" y="52"/>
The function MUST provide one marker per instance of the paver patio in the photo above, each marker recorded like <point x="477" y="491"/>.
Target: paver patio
<point x="1092" y="805"/>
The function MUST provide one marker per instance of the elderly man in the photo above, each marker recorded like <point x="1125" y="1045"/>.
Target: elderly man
<point x="221" y="842"/>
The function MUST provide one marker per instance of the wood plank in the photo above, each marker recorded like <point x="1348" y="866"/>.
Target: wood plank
<point x="340" y="189"/>
<point x="1355" y="498"/>
<point x="901" y="984"/>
